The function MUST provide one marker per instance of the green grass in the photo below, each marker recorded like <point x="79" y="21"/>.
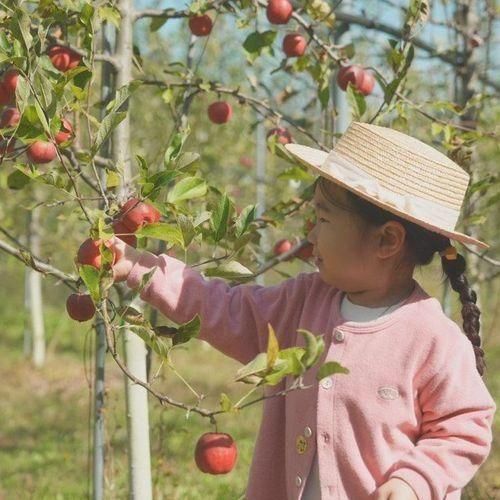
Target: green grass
<point x="44" y="415"/>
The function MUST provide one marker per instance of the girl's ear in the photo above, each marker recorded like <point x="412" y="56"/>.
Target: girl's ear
<point x="391" y="239"/>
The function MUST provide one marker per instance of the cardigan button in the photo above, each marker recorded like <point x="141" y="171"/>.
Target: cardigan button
<point x="339" y="335"/>
<point x="298" y="481"/>
<point x="308" y="432"/>
<point x="326" y="383"/>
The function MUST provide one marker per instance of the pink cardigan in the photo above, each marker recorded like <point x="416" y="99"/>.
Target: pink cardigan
<point x="413" y="405"/>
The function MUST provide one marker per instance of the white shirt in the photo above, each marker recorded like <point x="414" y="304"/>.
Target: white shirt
<point x="351" y="312"/>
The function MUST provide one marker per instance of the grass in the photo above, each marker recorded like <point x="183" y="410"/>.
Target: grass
<point x="44" y="414"/>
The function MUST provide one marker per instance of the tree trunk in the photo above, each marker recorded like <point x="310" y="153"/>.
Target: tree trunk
<point x="135" y="351"/>
<point x="33" y="295"/>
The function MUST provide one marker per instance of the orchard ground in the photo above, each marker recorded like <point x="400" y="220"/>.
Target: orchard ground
<point x="44" y="416"/>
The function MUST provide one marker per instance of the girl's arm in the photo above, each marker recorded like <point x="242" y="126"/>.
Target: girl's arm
<point x="457" y="415"/>
<point x="233" y="319"/>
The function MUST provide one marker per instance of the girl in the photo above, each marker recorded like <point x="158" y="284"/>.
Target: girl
<point x="412" y="418"/>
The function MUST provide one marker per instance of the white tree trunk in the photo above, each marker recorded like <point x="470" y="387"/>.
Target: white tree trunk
<point x="33" y="295"/>
<point x="134" y="349"/>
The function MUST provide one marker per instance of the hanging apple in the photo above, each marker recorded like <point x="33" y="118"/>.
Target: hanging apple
<point x="65" y="133"/>
<point x="282" y="246"/>
<point x="294" y="45"/>
<point x="279" y="11"/>
<point x="215" y="453"/>
<point x="135" y="213"/>
<point x="200" y="25"/>
<point x="9" y="83"/>
<point x="80" y="307"/>
<point x="41" y="152"/>
<point x="124" y="233"/>
<point x="63" y="58"/>
<point x="361" y="79"/>
<point x="10" y="117"/>
<point x="220" y="112"/>
<point x="282" y="134"/>
<point x="89" y="253"/>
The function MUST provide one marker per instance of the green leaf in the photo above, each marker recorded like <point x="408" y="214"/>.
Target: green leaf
<point x="294" y="357"/>
<point x="256" y="42"/>
<point x="186" y="189"/>
<point x="175" y="147"/>
<point x="17" y="180"/>
<point x="329" y="368"/>
<point x="90" y="276"/>
<point x="187" y="331"/>
<point x="356" y="101"/>
<point x="258" y="365"/>
<point x="161" y="231"/>
<point x="229" y="270"/>
<point x="108" y="124"/>
<point x="272" y="347"/>
<point x="296" y="173"/>
<point x="186" y="159"/>
<point x="109" y="14"/>
<point x="225" y="403"/>
<point x="311" y="353"/>
<point x="220" y="218"/>
<point x="246" y="217"/>
<point x="187" y="229"/>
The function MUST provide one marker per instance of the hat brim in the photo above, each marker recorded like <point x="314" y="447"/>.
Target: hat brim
<point x="314" y="158"/>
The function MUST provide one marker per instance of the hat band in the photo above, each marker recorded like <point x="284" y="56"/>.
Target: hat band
<point x="425" y="210"/>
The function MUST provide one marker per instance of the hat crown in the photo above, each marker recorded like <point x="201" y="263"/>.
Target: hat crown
<point x="404" y="164"/>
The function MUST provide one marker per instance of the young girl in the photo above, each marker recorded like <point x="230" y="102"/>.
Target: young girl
<point x="412" y="418"/>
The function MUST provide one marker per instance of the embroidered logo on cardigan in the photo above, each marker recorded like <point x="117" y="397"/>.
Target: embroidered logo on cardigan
<point x="388" y="392"/>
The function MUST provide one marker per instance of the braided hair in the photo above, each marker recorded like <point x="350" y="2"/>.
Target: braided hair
<point x="422" y="245"/>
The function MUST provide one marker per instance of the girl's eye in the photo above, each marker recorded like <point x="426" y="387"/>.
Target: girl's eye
<point x="320" y="219"/>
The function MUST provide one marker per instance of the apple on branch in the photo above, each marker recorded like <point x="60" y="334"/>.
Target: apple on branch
<point x="220" y="112"/>
<point x="80" y="307"/>
<point x="215" y="453"/>
<point x="279" y="11"/>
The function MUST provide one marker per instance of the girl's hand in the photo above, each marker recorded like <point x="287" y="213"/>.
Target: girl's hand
<point x="395" y="489"/>
<point x="126" y="257"/>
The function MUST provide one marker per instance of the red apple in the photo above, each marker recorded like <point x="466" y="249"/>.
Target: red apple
<point x="215" y="453"/>
<point x="282" y="246"/>
<point x="282" y="134"/>
<point x="124" y="233"/>
<point x="305" y="252"/>
<point x="65" y="133"/>
<point x="10" y="79"/>
<point x="294" y="45"/>
<point x="90" y="255"/>
<point x="361" y="79"/>
<point x="10" y="117"/>
<point x="220" y="112"/>
<point x="80" y="307"/>
<point x="135" y="214"/>
<point x="5" y="96"/>
<point x="246" y="161"/>
<point x="200" y="25"/>
<point x="279" y="11"/>
<point x="63" y="58"/>
<point x="41" y="152"/>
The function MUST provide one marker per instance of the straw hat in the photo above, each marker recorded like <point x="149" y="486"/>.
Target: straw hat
<point x="397" y="173"/>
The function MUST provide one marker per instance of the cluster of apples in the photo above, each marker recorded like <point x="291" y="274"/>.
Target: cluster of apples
<point x="133" y="215"/>
<point x="280" y="12"/>
<point x="39" y="151"/>
<point x="361" y="79"/>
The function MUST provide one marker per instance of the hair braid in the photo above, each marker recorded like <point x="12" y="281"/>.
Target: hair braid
<point x="455" y="269"/>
